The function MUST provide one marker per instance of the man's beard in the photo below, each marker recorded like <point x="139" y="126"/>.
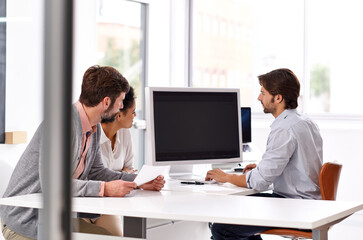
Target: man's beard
<point x="109" y="119"/>
<point x="265" y="110"/>
<point x="268" y="109"/>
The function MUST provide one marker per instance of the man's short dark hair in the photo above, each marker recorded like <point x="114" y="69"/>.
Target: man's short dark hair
<point x="100" y="82"/>
<point x="129" y="100"/>
<point x="282" y="81"/>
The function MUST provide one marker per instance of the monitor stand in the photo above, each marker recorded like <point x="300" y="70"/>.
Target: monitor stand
<point x="188" y="172"/>
<point x="226" y="166"/>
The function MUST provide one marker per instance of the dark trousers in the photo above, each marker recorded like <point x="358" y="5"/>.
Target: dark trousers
<point x="240" y="232"/>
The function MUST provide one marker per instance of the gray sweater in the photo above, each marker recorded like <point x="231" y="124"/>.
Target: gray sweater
<point x="26" y="177"/>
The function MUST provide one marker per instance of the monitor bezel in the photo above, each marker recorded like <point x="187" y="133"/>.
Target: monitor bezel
<point x="150" y="155"/>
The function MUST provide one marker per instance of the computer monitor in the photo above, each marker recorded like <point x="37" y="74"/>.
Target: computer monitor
<point x="192" y="126"/>
<point x="246" y="124"/>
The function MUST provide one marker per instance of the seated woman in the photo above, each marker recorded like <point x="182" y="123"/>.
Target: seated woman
<point x="115" y="142"/>
<point x="117" y="154"/>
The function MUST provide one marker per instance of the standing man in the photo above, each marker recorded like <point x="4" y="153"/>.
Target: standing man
<point x="103" y="92"/>
<point x="293" y="156"/>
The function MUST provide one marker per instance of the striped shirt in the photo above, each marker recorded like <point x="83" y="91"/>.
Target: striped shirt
<point x="293" y="158"/>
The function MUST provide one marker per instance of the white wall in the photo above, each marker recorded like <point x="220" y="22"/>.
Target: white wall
<point x="342" y="142"/>
<point x="24" y="70"/>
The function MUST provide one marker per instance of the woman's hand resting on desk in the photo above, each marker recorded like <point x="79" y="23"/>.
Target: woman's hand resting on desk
<point x="249" y="167"/>
<point x="155" y="185"/>
<point x="218" y="175"/>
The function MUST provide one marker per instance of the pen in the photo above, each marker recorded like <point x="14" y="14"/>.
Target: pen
<point x="196" y="183"/>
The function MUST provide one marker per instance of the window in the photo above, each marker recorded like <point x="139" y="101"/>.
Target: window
<point x="335" y="56"/>
<point x="118" y="39"/>
<point x="321" y="41"/>
<point x="248" y="38"/>
<point x="121" y="36"/>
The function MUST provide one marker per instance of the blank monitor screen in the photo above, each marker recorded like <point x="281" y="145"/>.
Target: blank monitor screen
<point x="246" y="124"/>
<point x="191" y="125"/>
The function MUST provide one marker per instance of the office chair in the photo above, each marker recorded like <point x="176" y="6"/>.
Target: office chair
<point x="328" y="182"/>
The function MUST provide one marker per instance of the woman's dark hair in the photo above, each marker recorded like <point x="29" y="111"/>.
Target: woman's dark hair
<point x="129" y="100"/>
<point x="282" y="81"/>
<point x="100" y="82"/>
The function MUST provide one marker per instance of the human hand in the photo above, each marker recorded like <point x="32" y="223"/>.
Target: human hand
<point x="218" y="175"/>
<point x="155" y="185"/>
<point x="249" y="167"/>
<point x="118" y="188"/>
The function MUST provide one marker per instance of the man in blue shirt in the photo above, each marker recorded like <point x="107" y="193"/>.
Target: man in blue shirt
<point x="293" y="156"/>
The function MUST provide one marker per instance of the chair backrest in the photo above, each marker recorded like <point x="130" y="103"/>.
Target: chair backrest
<point x="329" y="179"/>
<point x="5" y="173"/>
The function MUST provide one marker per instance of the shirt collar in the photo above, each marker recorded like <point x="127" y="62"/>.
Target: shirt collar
<point x="281" y="117"/>
<point x="86" y="125"/>
<point x="118" y="138"/>
<point x="103" y="138"/>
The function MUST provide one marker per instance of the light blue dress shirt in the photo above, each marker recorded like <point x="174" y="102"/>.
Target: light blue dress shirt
<point x="293" y="158"/>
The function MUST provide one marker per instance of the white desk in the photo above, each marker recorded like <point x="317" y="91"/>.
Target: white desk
<point x="316" y="215"/>
<point x="220" y="189"/>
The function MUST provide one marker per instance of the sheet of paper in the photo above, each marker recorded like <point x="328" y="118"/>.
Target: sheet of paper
<point x="148" y="173"/>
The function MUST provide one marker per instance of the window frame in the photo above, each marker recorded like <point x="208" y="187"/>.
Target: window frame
<point x="2" y="69"/>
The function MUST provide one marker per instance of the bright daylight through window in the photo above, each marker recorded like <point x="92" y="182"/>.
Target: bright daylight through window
<point x="120" y="36"/>
<point x="235" y="41"/>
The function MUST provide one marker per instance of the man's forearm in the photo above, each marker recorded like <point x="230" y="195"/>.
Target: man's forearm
<point x="238" y="180"/>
